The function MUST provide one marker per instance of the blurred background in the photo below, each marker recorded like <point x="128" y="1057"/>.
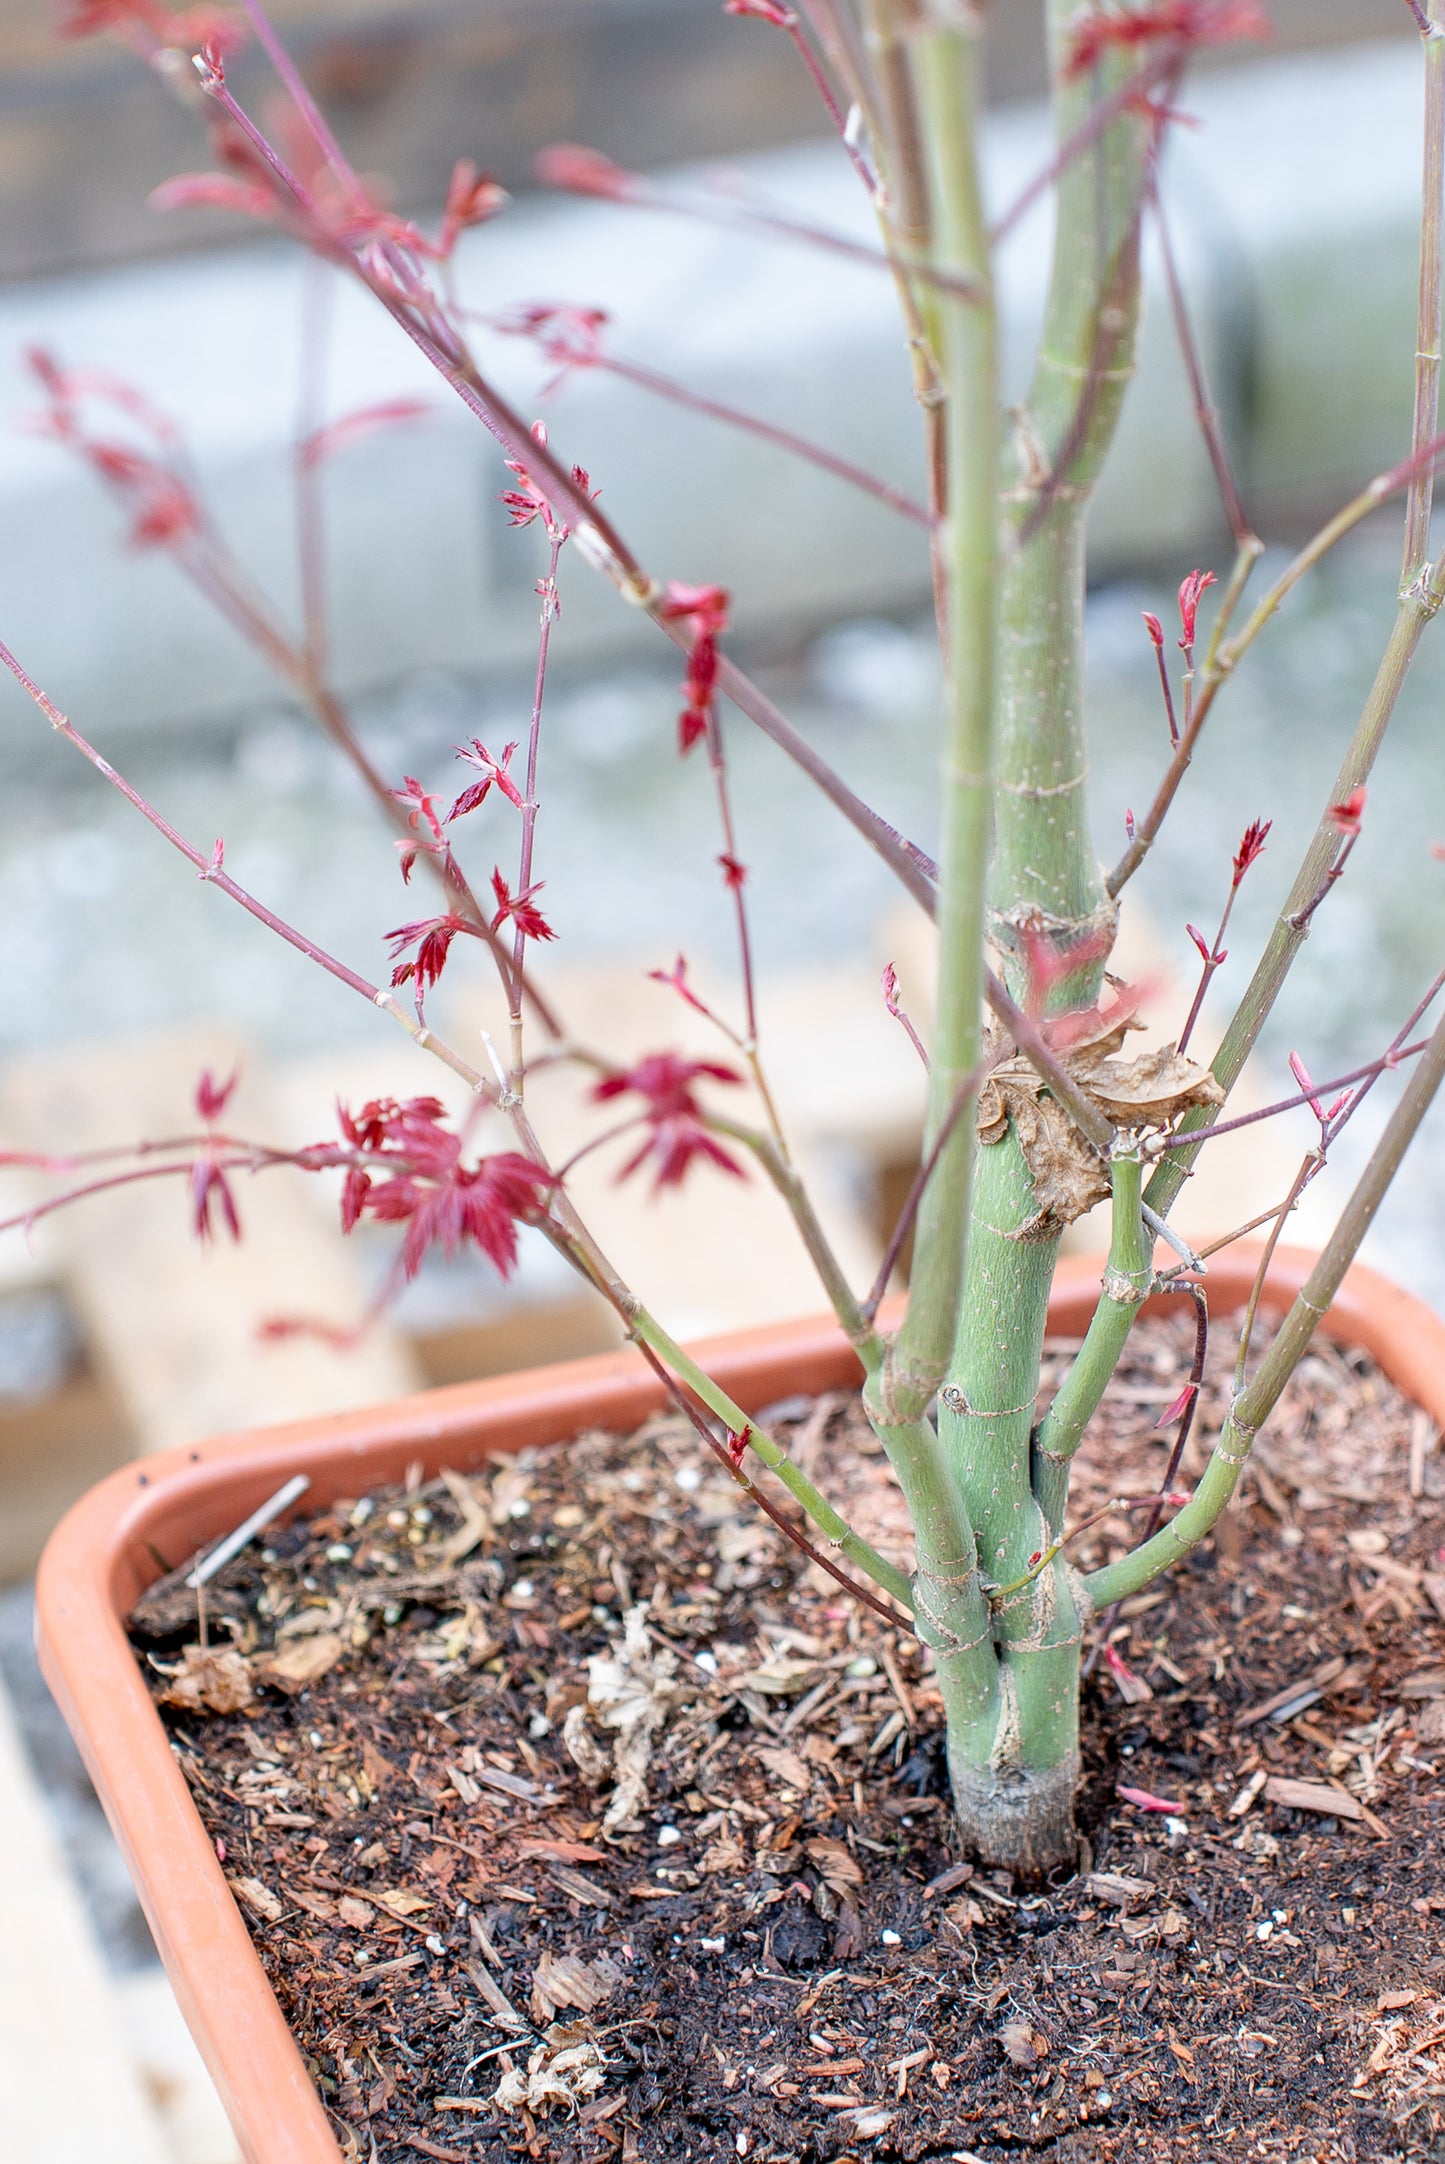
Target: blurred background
<point x="1293" y="201"/>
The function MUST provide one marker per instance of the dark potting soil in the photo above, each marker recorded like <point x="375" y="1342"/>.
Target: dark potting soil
<point x="577" y="1817"/>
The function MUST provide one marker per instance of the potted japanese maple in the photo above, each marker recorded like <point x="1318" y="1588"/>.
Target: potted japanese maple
<point x="1036" y="1109"/>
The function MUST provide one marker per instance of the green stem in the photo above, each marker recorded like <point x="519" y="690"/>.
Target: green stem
<point x="1126" y="1283"/>
<point x="947" y="70"/>
<point x="1254" y="1404"/>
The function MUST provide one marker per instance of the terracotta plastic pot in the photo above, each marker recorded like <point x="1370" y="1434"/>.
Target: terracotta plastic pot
<point x="158" y="1512"/>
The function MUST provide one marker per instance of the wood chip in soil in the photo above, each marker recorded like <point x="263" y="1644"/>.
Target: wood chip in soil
<point x="575" y="1817"/>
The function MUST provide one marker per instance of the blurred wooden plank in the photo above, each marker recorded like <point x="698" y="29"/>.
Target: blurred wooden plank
<point x="85" y="133"/>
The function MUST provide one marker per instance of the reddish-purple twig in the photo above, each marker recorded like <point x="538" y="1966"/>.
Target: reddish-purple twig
<point x="716" y="409"/>
<point x="684" y="1401"/>
<point x="1157" y="1144"/>
<point x="578" y="171"/>
<point x="1100" y="117"/>
<point x="1214" y="953"/>
<point x="1205" y="410"/>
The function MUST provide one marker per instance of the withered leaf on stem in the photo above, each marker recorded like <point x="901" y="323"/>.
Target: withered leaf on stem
<point x="1138" y="1096"/>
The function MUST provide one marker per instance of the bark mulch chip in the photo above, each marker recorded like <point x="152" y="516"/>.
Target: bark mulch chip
<point x="575" y="1817"/>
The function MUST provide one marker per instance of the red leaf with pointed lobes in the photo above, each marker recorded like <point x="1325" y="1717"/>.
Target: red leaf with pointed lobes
<point x="1155" y="630"/>
<point x="409" y="1171"/>
<point x="419" y="805"/>
<point x="432" y="937"/>
<point x="679" y="1135"/>
<point x="212" y="1096"/>
<point x="1190" y="591"/>
<point x="1349" y="817"/>
<point x="1251" y="846"/>
<point x="520" y="909"/>
<point x="677" y="978"/>
<point x="494" y="773"/>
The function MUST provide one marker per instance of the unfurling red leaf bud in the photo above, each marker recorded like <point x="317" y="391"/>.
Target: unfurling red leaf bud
<point x="1155" y="630"/>
<point x="1251" y="846"/>
<point x="1190" y="591"/>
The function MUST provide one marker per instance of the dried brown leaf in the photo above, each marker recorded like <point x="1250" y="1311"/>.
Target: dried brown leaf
<point x="209" y="1679"/>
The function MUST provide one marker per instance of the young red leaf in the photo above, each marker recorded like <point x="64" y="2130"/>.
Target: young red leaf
<point x="212" y="1096"/>
<point x="677" y="978"/>
<point x="1180" y="1406"/>
<point x="494" y="773"/>
<point x="678" y="1135"/>
<point x="1190" y="590"/>
<point x="734" y="872"/>
<point x="738" y="1441"/>
<point x="1251" y="846"/>
<point x="520" y="909"/>
<point x="432" y="937"/>
<point x="472" y="198"/>
<point x="1155" y="630"/>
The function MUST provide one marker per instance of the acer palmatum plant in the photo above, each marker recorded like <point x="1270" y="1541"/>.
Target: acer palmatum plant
<point x="1036" y="1110"/>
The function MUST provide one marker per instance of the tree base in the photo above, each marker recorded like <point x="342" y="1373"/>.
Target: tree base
<point x="1019" y="1818"/>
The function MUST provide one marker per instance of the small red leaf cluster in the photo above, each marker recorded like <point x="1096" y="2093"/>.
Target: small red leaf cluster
<point x="570" y="337"/>
<point x="1187" y="23"/>
<point x="1250" y="847"/>
<point x="404" y="1167"/>
<point x="520" y="909"/>
<point x="526" y="502"/>
<point x="704" y="610"/>
<point x="677" y="1131"/>
<point x="432" y="937"/>
<point x="494" y="774"/>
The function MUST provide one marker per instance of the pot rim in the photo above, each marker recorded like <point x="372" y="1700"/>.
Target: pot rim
<point x="158" y="1510"/>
